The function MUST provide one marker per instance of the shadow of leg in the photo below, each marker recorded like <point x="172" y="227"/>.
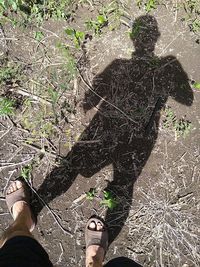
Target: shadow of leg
<point x="122" y="187"/>
<point x="129" y="160"/>
<point x="58" y="181"/>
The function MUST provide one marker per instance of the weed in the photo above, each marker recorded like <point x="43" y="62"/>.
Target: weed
<point x="192" y="9"/>
<point x="98" y="24"/>
<point x="26" y="172"/>
<point x="76" y="36"/>
<point x="109" y="200"/>
<point x="7" y="73"/>
<point x="113" y="12"/>
<point x="195" y="25"/>
<point x="6" y="106"/>
<point x="40" y="124"/>
<point x="70" y="64"/>
<point x="149" y="5"/>
<point x="181" y="127"/>
<point x="170" y="117"/>
<point x="91" y="194"/>
<point x="35" y="11"/>
<point x="38" y="35"/>
<point x="196" y="85"/>
<point x="54" y="98"/>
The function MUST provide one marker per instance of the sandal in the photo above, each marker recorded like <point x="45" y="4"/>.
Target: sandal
<point x="95" y="237"/>
<point x="21" y="194"/>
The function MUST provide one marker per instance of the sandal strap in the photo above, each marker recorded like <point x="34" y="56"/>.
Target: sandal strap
<point x="20" y="194"/>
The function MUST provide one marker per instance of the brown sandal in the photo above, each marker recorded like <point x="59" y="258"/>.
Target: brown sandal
<point x="95" y="237"/>
<point x="21" y="194"/>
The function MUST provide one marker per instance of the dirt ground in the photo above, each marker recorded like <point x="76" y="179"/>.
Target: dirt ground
<point x="114" y="138"/>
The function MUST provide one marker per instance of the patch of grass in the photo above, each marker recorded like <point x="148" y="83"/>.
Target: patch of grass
<point x="70" y="65"/>
<point x="6" y="106"/>
<point x="181" y="127"/>
<point x="23" y="12"/>
<point x="38" y="121"/>
<point x="192" y="9"/>
<point x="8" y="72"/>
<point x="148" y="5"/>
<point x="113" y="12"/>
<point x="38" y="35"/>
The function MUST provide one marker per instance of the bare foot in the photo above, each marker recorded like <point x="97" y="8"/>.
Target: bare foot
<point x="21" y="209"/>
<point x="94" y="253"/>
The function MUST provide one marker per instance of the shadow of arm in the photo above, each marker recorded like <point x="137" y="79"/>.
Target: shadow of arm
<point x="181" y="92"/>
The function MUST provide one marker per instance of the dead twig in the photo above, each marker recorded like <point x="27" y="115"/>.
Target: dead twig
<point x="34" y="97"/>
<point x="14" y="164"/>
<point x="55" y="217"/>
<point x="39" y="149"/>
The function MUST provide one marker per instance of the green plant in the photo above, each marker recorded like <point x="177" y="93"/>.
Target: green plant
<point x="38" y="35"/>
<point x="26" y="172"/>
<point x="70" y="65"/>
<point x="34" y="11"/>
<point x="76" y="36"/>
<point x="98" y="24"/>
<point x="113" y="11"/>
<point x="196" y="85"/>
<point x="181" y="127"/>
<point x="7" y="73"/>
<point x="149" y="5"/>
<point x="192" y="9"/>
<point x="91" y="194"/>
<point x="54" y="98"/>
<point x="10" y="4"/>
<point x="6" y="106"/>
<point x="195" y="25"/>
<point x="109" y="200"/>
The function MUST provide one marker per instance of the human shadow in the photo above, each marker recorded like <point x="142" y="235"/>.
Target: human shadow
<point x="128" y="96"/>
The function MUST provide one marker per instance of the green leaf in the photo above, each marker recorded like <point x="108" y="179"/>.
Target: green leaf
<point x="6" y="107"/>
<point x="80" y="35"/>
<point x="38" y="36"/>
<point x="101" y="19"/>
<point x="109" y="201"/>
<point x="197" y="85"/>
<point x="70" y="32"/>
<point x="91" y="194"/>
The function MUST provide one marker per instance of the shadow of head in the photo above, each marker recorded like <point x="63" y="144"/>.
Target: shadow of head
<point x="145" y="33"/>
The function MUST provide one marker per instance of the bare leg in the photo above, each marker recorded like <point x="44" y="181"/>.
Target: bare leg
<point x="23" y="222"/>
<point x="94" y="253"/>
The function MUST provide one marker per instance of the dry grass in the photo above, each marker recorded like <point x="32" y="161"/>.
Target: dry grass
<point x="164" y="223"/>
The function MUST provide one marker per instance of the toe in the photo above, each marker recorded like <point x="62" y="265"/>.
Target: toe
<point x="18" y="184"/>
<point x="14" y="187"/>
<point x="92" y="225"/>
<point x="99" y="226"/>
